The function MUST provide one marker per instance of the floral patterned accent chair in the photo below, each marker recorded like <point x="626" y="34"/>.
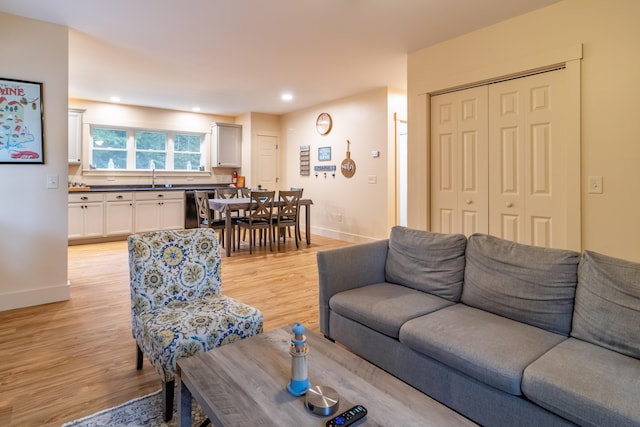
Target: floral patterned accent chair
<point x="177" y="308"/>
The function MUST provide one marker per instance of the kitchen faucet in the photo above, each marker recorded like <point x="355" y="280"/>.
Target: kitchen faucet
<point x="153" y="174"/>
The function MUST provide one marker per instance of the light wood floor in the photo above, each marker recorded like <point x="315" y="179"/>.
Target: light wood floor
<point x="66" y="360"/>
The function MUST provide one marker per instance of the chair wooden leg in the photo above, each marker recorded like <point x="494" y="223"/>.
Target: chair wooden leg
<point x="167" y="399"/>
<point x="139" y="358"/>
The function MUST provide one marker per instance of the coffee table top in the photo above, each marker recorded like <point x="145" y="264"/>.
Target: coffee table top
<point x="246" y="384"/>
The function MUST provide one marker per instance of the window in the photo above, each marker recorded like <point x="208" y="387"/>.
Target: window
<point x="186" y="152"/>
<point x="151" y="150"/>
<point x="109" y="148"/>
<point x="141" y="149"/>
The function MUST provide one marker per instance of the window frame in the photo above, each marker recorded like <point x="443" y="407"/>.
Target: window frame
<point x="132" y="150"/>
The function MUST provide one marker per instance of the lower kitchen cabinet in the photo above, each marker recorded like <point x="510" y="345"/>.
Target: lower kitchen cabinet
<point x="95" y="215"/>
<point x="118" y="214"/>
<point x="159" y="210"/>
<point x="86" y="215"/>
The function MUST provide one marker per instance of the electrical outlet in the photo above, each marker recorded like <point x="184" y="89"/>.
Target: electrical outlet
<point x="595" y="184"/>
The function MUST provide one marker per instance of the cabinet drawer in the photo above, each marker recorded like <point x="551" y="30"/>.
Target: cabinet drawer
<point x="86" y="197"/>
<point x="118" y="197"/>
<point x="159" y="195"/>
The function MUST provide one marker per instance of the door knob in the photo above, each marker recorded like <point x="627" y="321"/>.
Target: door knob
<point x="509" y="204"/>
<point x="469" y="202"/>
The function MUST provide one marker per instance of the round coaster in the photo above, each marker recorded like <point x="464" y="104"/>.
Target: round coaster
<point x="322" y="400"/>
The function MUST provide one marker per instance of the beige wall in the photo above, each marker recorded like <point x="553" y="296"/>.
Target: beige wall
<point x="346" y="208"/>
<point x="608" y="33"/>
<point x="100" y="113"/>
<point x="33" y="219"/>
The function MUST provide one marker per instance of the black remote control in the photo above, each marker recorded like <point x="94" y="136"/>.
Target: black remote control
<point x="348" y="417"/>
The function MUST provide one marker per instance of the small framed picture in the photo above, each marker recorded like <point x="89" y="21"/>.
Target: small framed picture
<point x="21" y="122"/>
<point x="324" y="153"/>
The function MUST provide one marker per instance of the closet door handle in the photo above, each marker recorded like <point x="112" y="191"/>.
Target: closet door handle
<point x="469" y="202"/>
<point x="509" y="204"/>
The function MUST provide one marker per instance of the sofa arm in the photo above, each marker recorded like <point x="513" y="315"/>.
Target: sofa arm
<point x="348" y="268"/>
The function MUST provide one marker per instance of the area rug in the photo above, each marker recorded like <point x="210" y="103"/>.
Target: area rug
<point x="144" y="411"/>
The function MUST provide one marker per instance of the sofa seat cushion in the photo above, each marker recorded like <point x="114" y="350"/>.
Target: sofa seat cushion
<point x="429" y="262"/>
<point x="526" y="283"/>
<point x="490" y="348"/>
<point x="384" y="307"/>
<point x="607" y="307"/>
<point x="587" y="384"/>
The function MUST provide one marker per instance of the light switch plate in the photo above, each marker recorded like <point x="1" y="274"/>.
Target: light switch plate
<point x="52" y="181"/>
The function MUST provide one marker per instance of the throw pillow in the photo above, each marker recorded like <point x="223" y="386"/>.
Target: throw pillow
<point x="526" y="283"/>
<point x="429" y="262"/>
<point x="607" y="308"/>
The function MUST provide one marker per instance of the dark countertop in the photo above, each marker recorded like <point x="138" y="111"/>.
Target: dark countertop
<point x="191" y="187"/>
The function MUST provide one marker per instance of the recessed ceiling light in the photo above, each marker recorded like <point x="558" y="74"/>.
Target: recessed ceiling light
<point x="195" y="109"/>
<point x="287" y="97"/>
<point x="114" y="99"/>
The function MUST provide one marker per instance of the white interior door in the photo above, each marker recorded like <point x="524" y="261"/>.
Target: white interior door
<point x="459" y="177"/>
<point x="499" y="156"/>
<point x="267" y="162"/>
<point x="526" y="160"/>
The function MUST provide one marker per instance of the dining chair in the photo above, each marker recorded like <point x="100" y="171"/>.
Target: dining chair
<point x="287" y="215"/>
<point x="297" y="228"/>
<point x="245" y="192"/>
<point x="260" y="217"/>
<point x="177" y="308"/>
<point x="230" y="193"/>
<point x="226" y="192"/>
<point x="206" y="218"/>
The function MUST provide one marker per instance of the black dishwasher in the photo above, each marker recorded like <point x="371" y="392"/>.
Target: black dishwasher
<point x="190" y="213"/>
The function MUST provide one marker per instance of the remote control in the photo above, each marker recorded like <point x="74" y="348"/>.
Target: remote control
<point x="348" y="417"/>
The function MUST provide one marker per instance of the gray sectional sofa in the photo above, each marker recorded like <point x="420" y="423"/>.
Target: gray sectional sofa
<point x="504" y="333"/>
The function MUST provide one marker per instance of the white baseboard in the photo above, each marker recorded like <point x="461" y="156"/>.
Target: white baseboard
<point x="340" y="235"/>
<point x="28" y="298"/>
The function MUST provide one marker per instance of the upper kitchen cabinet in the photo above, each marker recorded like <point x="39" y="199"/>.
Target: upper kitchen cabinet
<point x="226" y="150"/>
<point x="75" y="136"/>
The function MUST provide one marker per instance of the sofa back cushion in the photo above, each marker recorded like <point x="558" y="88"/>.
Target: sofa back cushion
<point x="529" y="284"/>
<point x="429" y="262"/>
<point x="607" y="307"/>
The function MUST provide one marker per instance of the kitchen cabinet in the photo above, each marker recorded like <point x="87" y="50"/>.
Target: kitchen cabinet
<point x="158" y="210"/>
<point x="75" y="136"/>
<point x="86" y="215"/>
<point x="226" y="150"/>
<point x="118" y="213"/>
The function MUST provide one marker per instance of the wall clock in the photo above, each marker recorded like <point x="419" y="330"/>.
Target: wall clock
<point x="323" y="123"/>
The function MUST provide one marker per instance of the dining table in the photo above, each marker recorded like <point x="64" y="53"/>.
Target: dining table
<point x="228" y="206"/>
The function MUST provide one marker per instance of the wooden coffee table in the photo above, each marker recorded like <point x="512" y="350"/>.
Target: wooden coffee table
<point x="245" y="384"/>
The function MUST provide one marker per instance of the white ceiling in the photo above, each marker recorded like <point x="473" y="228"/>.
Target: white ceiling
<point x="236" y="56"/>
